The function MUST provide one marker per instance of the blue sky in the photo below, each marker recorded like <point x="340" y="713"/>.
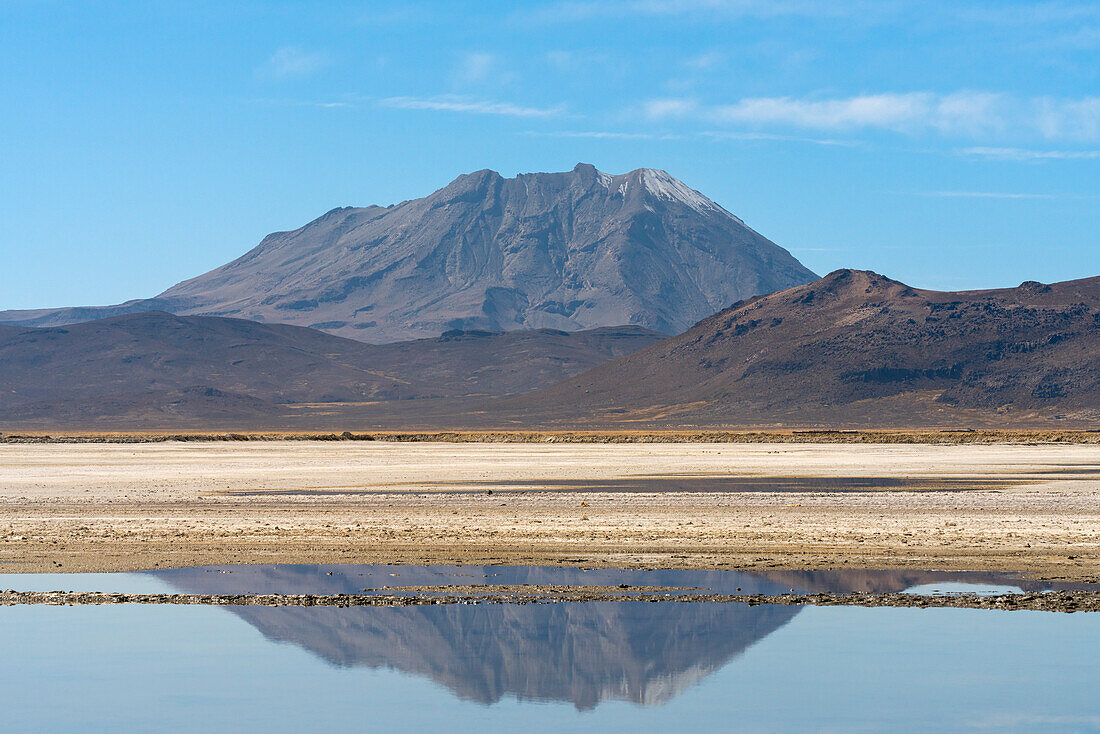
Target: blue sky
<point x="950" y="145"/>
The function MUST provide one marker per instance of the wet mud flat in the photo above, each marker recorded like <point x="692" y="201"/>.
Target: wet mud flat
<point x="173" y="504"/>
<point x="686" y="483"/>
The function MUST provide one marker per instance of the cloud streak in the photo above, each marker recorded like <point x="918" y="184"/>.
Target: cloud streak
<point x="1021" y="13"/>
<point x="999" y="195"/>
<point x="602" y="135"/>
<point x="974" y="114"/>
<point x="1028" y="154"/>
<point x="454" y="103"/>
<point x="480" y="68"/>
<point x="290" y="62"/>
<point x="708" y="135"/>
<point x="728" y="135"/>
<point x="475" y="68"/>
<point x="585" y="10"/>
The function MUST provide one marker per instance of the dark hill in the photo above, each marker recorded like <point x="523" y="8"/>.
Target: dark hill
<point x="213" y="369"/>
<point x="858" y="347"/>
<point x="854" y="349"/>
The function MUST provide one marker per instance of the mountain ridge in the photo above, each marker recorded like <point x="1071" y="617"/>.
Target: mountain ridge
<point x="571" y="251"/>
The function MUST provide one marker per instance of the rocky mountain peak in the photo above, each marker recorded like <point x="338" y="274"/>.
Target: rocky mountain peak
<point x="572" y="250"/>
<point x="664" y="186"/>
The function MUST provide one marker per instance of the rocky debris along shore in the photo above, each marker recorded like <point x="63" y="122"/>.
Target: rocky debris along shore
<point x="1055" y="601"/>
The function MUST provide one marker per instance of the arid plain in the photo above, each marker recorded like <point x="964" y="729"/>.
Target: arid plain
<point x="110" y="506"/>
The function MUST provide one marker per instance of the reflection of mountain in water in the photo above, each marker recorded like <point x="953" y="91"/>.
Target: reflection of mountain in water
<point x="581" y="653"/>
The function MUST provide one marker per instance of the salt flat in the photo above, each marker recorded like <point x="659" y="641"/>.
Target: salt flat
<point x="81" y="507"/>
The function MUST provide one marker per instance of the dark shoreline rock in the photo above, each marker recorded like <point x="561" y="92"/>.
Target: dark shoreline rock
<point x="1054" y="601"/>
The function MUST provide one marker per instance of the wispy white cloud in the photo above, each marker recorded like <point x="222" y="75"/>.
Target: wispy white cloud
<point x="961" y="114"/>
<point x="480" y="68"/>
<point x="603" y="62"/>
<point x="1073" y="119"/>
<point x="291" y="61"/>
<point x="322" y="104"/>
<point x="582" y="10"/>
<point x="1079" y="39"/>
<point x="703" y="61"/>
<point x="666" y="107"/>
<point x="603" y="135"/>
<point x="1045" y="12"/>
<point x="969" y="111"/>
<point x="562" y="60"/>
<point x="999" y="195"/>
<point x="730" y="135"/>
<point x="1029" y="721"/>
<point x="475" y="67"/>
<point x="973" y="12"/>
<point x="455" y="103"/>
<point x="704" y="135"/>
<point x="1028" y="154"/>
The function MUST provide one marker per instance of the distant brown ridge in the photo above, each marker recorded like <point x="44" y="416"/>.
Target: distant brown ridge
<point x="857" y="349"/>
<point x="854" y="350"/>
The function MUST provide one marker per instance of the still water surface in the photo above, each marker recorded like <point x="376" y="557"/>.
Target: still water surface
<point x="604" y="667"/>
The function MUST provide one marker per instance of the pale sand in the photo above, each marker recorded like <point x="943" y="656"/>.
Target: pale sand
<point x="134" y="506"/>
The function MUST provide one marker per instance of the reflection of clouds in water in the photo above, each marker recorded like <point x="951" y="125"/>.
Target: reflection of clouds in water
<point x="957" y="588"/>
<point x="1030" y="722"/>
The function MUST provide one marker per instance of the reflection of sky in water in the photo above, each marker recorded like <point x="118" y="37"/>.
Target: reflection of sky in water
<point x="176" y="668"/>
<point x="588" y="655"/>
<point x="957" y="588"/>
<point x="129" y="583"/>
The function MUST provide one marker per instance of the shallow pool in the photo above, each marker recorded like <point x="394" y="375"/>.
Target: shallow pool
<point x="598" y="666"/>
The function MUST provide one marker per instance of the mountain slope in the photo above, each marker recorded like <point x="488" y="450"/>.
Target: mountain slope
<point x="207" y="367"/>
<point x="573" y="250"/>
<point x="858" y="346"/>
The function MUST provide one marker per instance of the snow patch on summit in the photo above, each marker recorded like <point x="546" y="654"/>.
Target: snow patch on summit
<point x="664" y="186"/>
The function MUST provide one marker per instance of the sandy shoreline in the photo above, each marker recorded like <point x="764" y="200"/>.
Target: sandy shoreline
<point x="107" y="507"/>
